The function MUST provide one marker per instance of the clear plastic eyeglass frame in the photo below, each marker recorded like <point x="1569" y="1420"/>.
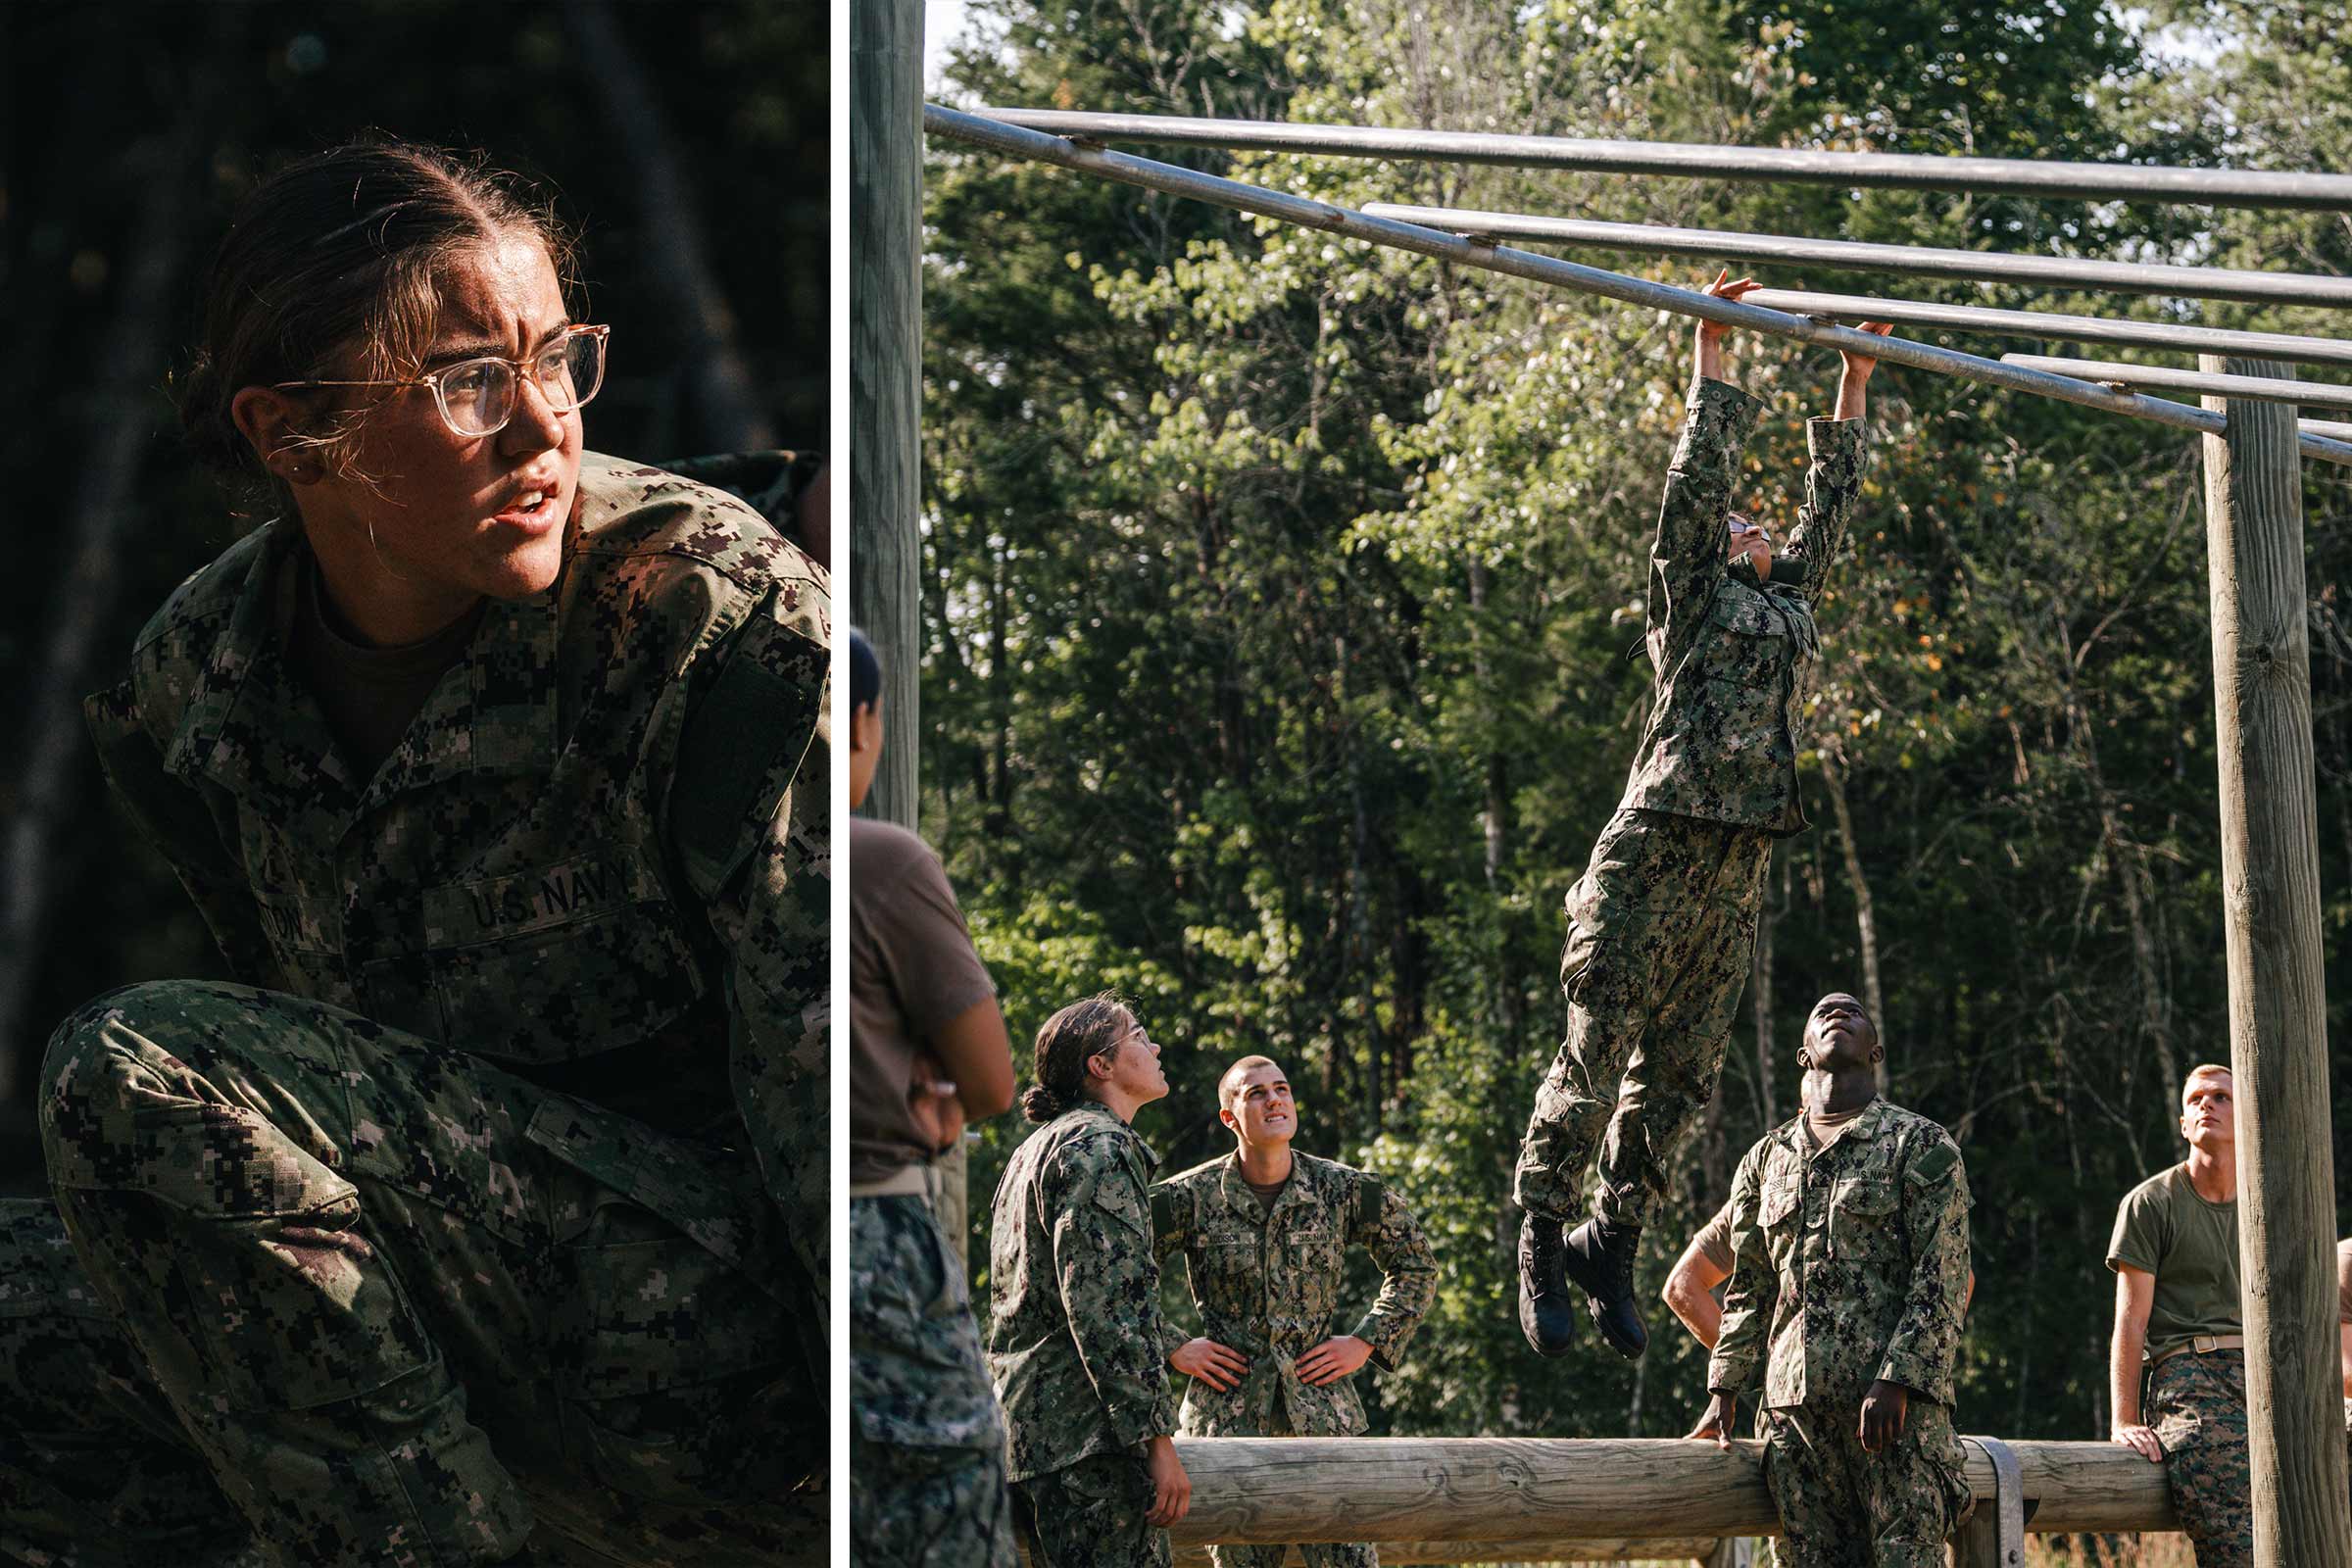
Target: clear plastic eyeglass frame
<point x="478" y="397"/>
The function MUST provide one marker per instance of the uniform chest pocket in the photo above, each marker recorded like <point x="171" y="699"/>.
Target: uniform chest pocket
<point x="1747" y="643"/>
<point x="560" y="964"/>
<point x="1778" y="1205"/>
<point x="1866" y="1219"/>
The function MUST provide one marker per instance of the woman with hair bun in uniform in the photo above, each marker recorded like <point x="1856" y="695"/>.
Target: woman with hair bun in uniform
<point x="492" y="1189"/>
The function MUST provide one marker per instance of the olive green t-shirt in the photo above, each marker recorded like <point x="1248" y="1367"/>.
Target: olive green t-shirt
<point x="2190" y="1245"/>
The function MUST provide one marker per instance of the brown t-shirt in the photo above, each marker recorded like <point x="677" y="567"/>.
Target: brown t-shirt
<point x="369" y="694"/>
<point x="1714" y="1239"/>
<point x="911" y="970"/>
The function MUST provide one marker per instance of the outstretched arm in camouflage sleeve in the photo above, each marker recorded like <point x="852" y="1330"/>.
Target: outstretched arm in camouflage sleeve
<point x="1408" y="1275"/>
<point x="1836" y="447"/>
<point x="1686" y="555"/>
<point x="1750" y="1298"/>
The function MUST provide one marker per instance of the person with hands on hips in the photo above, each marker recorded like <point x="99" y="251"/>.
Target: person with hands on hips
<point x="1849" y="1268"/>
<point x="1076" y="1342"/>
<point x="1264" y="1233"/>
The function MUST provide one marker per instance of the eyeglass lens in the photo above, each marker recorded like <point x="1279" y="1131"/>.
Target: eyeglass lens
<point x="478" y="399"/>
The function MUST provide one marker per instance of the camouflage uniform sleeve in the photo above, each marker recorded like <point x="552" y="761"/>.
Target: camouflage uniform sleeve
<point x="173" y="817"/>
<point x="1832" y="483"/>
<point x="1110" y="1289"/>
<point x="750" y="817"/>
<point x="1687" y="557"/>
<point x="1926" y="1337"/>
<point x="1172" y="1232"/>
<point x="1408" y="1278"/>
<point x="1751" y="1292"/>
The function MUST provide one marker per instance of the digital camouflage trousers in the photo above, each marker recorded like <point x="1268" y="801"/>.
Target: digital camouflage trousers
<point x="1316" y="1555"/>
<point x="1661" y="934"/>
<point x="1091" y="1515"/>
<point x="927" y="1441"/>
<point x="2197" y="1406"/>
<point x="1842" y="1507"/>
<point x="397" y="1303"/>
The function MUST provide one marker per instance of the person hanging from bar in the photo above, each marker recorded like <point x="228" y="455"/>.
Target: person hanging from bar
<point x="1662" y="925"/>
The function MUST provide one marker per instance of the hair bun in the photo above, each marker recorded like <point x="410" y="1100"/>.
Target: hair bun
<point x="1040" y="1103"/>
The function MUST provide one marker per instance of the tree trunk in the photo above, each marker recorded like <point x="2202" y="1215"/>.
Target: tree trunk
<point x="2278" y="999"/>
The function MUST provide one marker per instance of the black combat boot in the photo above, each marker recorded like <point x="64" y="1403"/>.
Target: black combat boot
<point x="1547" y="1311"/>
<point x="1600" y="1258"/>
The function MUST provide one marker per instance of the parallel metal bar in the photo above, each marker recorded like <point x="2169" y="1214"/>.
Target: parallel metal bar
<point x="1910" y="260"/>
<point x="2326" y="451"/>
<point x="999" y="136"/>
<point x="2326" y="427"/>
<point x="2183" y="337"/>
<point x="2017" y="177"/>
<point x="2179" y="378"/>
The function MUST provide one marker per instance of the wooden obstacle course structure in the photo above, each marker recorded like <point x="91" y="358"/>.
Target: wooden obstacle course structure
<point x="1466" y="1489"/>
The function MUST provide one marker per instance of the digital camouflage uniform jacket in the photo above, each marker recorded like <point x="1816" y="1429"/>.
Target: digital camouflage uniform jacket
<point x="1075" y="1337"/>
<point x="1268" y="1284"/>
<point x="1735" y="662"/>
<point x="597" y="858"/>
<point x="1849" y="1263"/>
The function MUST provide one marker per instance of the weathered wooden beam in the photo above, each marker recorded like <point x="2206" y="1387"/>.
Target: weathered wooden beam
<point x="2278" y="999"/>
<point x="1600" y="1548"/>
<point x="1269" y="1490"/>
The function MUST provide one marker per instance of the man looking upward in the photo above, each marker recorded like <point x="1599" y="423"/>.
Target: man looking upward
<point x="1849" y="1257"/>
<point x="2177" y="1314"/>
<point x="1264" y="1233"/>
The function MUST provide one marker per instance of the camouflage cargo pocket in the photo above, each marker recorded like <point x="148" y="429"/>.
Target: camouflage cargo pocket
<point x="1866" y="1222"/>
<point x="680" y="1372"/>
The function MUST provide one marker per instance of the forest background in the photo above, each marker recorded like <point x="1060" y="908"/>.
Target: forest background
<point x="687" y="143"/>
<point x="1278" y="593"/>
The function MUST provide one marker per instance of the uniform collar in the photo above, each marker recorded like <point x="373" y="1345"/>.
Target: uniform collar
<point x="254" y="728"/>
<point x="1868" y="1127"/>
<point x="1096" y="1113"/>
<point x="1242" y="1198"/>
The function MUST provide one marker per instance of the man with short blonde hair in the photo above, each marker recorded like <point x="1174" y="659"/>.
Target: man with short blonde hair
<point x="2177" y="1312"/>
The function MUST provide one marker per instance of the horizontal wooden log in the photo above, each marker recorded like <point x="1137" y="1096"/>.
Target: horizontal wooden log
<point x="1601" y="1548"/>
<point x="1270" y="1489"/>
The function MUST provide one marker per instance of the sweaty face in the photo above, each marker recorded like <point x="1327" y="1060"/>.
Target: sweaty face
<point x="2209" y="1111"/>
<point x="1837" y="1035"/>
<point x="450" y="519"/>
<point x="1263" y="1110"/>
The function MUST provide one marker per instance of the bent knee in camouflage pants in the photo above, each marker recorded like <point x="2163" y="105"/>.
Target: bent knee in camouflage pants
<point x="1661" y="933"/>
<point x="396" y="1295"/>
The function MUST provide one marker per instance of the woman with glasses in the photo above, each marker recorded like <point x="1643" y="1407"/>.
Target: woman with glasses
<point x="492" y="1191"/>
<point x="1075" y="1337"/>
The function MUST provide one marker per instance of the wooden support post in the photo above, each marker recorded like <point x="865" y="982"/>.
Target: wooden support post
<point x="885" y="431"/>
<point x="1995" y="1536"/>
<point x="2277" y="1024"/>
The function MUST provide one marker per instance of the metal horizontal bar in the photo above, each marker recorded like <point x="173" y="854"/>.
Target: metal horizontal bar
<point x="1911" y="261"/>
<point x="2326" y="451"/>
<point x="2183" y="337"/>
<point x="2335" y="429"/>
<point x="2177" y="378"/>
<point x="2012" y="176"/>
<point x="998" y="136"/>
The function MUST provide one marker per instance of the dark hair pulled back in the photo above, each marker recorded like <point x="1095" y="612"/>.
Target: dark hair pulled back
<point x="1069" y="1040"/>
<point x="344" y="250"/>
